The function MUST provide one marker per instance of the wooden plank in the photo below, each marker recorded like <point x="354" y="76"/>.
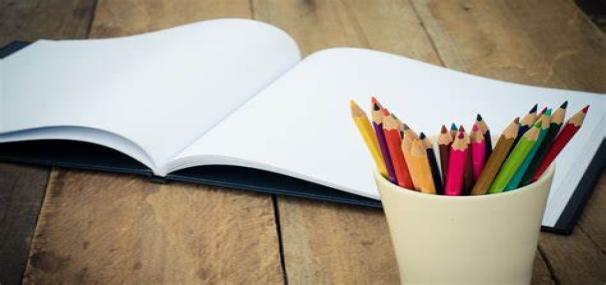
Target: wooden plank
<point x="326" y="243"/>
<point x="547" y="43"/>
<point x="22" y="187"/>
<point x="541" y="274"/>
<point x="30" y="20"/>
<point x="21" y="194"/>
<point x="104" y="228"/>
<point x="574" y="259"/>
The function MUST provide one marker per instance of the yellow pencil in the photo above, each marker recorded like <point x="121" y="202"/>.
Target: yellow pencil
<point x="419" y="161"/>
<point x="368" y="135"/>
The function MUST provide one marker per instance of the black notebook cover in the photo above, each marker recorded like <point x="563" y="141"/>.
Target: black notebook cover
<point x="90" y="156"/>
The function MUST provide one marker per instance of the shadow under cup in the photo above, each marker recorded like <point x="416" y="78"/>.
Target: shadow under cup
<point x="485" y="239"/>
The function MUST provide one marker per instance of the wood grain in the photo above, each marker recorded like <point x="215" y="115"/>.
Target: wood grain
<point x="29" y="20"/>
<point x="22" y="187"/>
<point x="104" y="228"/>
<point x="21" y="193"/>
<point x="327" y="243"/>
<point x="539" y="42"/>
<point x="547" y="43"/>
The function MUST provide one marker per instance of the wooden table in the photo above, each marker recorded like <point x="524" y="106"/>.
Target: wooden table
<point x="69" y="226"/>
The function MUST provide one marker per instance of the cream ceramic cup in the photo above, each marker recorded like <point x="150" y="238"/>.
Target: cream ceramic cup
<point x="486" y="239"/>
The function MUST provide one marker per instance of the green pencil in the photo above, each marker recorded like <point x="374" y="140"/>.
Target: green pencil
<point x="557" y="118"/>
<point x="515" y="159"/>
<point x="543" y="122"/>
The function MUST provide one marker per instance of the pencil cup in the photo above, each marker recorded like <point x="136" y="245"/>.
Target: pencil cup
<point x="485" y="239"/>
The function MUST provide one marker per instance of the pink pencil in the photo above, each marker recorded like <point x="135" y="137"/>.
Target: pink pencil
<point x="478" y="151"/>
<point x="456" y="166"/>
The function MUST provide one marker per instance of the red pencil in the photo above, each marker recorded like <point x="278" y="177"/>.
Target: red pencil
<point x="456" y="166"/>
<point x="570" y="129"/>
<point x="478" y="151"/>
<point x="391" y="128"/>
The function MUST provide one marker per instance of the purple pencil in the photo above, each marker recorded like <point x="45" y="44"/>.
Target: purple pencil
<point x="377" y="123"/>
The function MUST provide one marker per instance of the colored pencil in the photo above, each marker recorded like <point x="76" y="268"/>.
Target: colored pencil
<point x="444" y="143"/>
<point x="409" y="136"/>
<point x="571" y="127"/>
<point x="454" y="130"/>
<point x="420" y="163"/>
<point x="377" y="122"/>
<point x="543" y="122"/>
<point x="468" y="180"/>
<point x="433" y="164"/>
<point x="527" y="121"/>
<point x="486" y="133"/>
<point x="515" y="159"/>
<point x="367" y="133"/>
<point x="557" y="118"/>
<point x="543" y="111"/>
<point x="391" y="129"/>
<point x="496" y="159"/>
<point x="478" y="150"/>
<point x="456" y="165"/>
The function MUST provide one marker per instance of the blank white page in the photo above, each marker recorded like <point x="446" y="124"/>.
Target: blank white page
<point x="161" y="90"/>
<point x="301" y="124"/>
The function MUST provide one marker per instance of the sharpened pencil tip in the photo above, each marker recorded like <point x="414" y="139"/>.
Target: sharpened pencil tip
<point x="534" y="108"/>
<point x="443" y="130"/>
<point x="544" y="110"/>
<point x="375" y="107"/>
<point x="479" y="117"/>
<point x="461" y="134"/>
<point x="453" y="127"/>
<point x="564" y="105"/>
<point x="585" y="109"/>
<point x="475" y="127"/>
<point x="422" y="136"/>
<point x="385" y="112"/>
<point x="461" y="129"/>
<point x="517" y="120"/>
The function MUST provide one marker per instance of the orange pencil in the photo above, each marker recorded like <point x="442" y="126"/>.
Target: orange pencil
<point x="420" y="163"/>
<point x="408" y="138"/>
<point x="391" y="129"/>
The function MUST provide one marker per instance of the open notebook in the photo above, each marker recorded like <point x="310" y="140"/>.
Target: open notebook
<point x="230" y="102"/>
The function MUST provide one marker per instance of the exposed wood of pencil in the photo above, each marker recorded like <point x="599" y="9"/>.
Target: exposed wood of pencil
<point x="526" y="122"/>
<point x="377" y="123"/>
<point x="420" y="163"/>
<point x="571" y="127"/>
<point x="453" y="131"/>
<point x="556" y="123"/>
<point x="433" y="164"/>
<point x="391" y="128"/>
<point x="486" y="133"/>
<point x="409" y="137"/>
<point x="496" y="159"/>
<point x="367" y="133"/>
